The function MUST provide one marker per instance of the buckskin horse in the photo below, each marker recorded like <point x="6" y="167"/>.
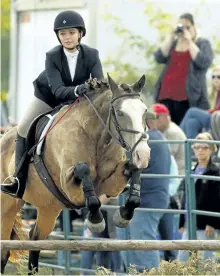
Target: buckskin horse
<point x="85" y="157"/>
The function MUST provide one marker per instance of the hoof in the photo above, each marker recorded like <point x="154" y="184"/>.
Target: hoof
<point x="119" y="220"/>
<point x="96" y="227"/>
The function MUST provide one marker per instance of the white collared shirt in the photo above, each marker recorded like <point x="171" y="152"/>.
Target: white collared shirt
<point x="72" y="61"/>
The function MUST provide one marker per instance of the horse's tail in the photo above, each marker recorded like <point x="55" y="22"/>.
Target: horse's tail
<point x="18" y="233"/>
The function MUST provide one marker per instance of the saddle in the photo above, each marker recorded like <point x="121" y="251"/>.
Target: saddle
<point x="35" y="145"/>
<point x="38" y="127"/>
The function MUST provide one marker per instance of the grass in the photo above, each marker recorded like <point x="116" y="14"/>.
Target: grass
<point x="192" y="267"/>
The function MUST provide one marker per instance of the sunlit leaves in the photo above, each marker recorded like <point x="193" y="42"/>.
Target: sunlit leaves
<point x="5" y="16"/>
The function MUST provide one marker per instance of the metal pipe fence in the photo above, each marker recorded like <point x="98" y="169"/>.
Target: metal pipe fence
<point x="189" y="190"/>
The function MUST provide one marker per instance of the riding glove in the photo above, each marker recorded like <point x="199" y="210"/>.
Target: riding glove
<point x="82" y="89"/>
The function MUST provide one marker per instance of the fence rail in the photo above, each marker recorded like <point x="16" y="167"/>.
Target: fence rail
<point x="111" y="245"/>
<point x="114" y="245"/>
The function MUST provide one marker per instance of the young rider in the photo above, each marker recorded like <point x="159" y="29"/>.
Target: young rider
<point x="67" y="67"/>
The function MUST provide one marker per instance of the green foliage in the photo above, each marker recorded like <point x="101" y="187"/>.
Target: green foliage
<point x="5" y="43"/>
<point x="217" y="46"/>
<point x="5" y="17"/>
<point x="142" y="48"/>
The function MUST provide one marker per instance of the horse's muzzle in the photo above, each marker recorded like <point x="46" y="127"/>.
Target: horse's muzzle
<point x="141" y="155"/>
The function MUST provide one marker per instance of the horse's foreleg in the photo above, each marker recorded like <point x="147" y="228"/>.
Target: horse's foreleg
<point x="9" y="209"/>
<point x="43" y="227"/>
<point x="125" y="213"/>
<point x="96" y="222"/>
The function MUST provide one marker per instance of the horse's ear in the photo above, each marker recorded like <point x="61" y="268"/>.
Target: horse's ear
<point x="113" y="86"/>
<point x="139" y="85"/>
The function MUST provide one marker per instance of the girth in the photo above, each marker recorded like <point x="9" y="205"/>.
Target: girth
<point x="49" y="183"/>
<point x="40" y="167"/>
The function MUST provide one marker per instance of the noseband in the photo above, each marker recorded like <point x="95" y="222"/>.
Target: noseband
<point x="119" y="129"/>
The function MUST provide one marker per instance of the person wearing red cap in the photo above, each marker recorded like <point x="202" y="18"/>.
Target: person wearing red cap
<point x="172" y="132"/>
<point x="154" y="194"/>
<point x="161" y="109"/>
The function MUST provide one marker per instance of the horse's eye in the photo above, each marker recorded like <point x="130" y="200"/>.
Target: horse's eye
<point x="119" y="113"/>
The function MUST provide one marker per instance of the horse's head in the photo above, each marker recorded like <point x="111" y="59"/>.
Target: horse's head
<point x="127" y="120"/>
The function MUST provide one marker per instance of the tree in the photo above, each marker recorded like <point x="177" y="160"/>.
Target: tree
<point x="142" y="48"/>
<point x="5" y="43"/>
<point x="159" y="21"/>
<point x="5" y="17"/>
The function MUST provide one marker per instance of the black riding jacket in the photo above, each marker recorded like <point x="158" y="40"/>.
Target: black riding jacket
<point x="207" y="194"/>
<point x="55" y="85"/>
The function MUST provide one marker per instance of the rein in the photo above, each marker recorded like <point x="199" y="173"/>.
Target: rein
<point x="118" y="128"/>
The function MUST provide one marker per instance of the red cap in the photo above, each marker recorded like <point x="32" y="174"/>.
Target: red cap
<point x="160" y="109"/>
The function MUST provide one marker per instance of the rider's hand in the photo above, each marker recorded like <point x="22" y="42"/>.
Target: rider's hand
<point x="82" y="89"/>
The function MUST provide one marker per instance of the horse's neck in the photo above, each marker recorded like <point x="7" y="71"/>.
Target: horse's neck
<point x="83" y="116"/>
<point x="102" y="104"/>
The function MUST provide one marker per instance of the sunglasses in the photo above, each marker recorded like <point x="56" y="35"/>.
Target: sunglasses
<point x="203" y="147"/>
<point x="216" y="77"/>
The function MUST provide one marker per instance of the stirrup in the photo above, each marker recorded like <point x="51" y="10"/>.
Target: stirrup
<point x="4" y="187"/>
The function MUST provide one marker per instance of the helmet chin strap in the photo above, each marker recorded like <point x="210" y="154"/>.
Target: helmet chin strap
<point x="75" y="47"/>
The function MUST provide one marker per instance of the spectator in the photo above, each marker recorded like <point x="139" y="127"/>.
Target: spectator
<point x="207" y="197"/>
<point x="29" y="215"/>
<point x="73" y="215"/>
<point x="107" y="259"/>
<point x="154" y="194"/>
<point x="182" y="83"/>
<point x="196" y="119"/>
<point x="166" y="224"/>
<point x="172" y="132"/>
<point x="215" y="123"/>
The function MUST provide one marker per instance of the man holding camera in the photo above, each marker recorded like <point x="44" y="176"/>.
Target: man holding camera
<point x="187" y="57"/>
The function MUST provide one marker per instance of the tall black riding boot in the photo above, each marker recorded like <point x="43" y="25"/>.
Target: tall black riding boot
<point x="17" y="187"/>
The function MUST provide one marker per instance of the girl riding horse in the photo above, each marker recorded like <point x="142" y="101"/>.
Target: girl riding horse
<point x="68" y="66"/>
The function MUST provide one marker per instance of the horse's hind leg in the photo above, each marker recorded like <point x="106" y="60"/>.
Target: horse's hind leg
<point x="96" y="222"/>
<point x="9" y="209"/>
<point x="44" y="225"/>
<point x="124" y="214"/>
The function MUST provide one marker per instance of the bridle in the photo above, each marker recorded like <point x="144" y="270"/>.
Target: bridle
<point x="119" y="129"/>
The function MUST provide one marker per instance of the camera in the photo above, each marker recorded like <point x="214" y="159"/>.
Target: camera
<point x="179" y="29"/>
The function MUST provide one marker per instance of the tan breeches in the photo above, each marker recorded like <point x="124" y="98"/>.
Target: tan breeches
<point x="35" y="108"/>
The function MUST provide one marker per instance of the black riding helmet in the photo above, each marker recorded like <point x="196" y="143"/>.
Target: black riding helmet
<point x="69" y="19"/>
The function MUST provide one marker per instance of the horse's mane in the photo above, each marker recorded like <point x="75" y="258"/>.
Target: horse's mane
<point x="97" y="86"/>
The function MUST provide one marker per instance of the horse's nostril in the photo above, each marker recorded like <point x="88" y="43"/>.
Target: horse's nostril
<point x="138" y="156"/>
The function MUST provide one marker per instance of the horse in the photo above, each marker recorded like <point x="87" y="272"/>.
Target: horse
<point x="85" y="154"/>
